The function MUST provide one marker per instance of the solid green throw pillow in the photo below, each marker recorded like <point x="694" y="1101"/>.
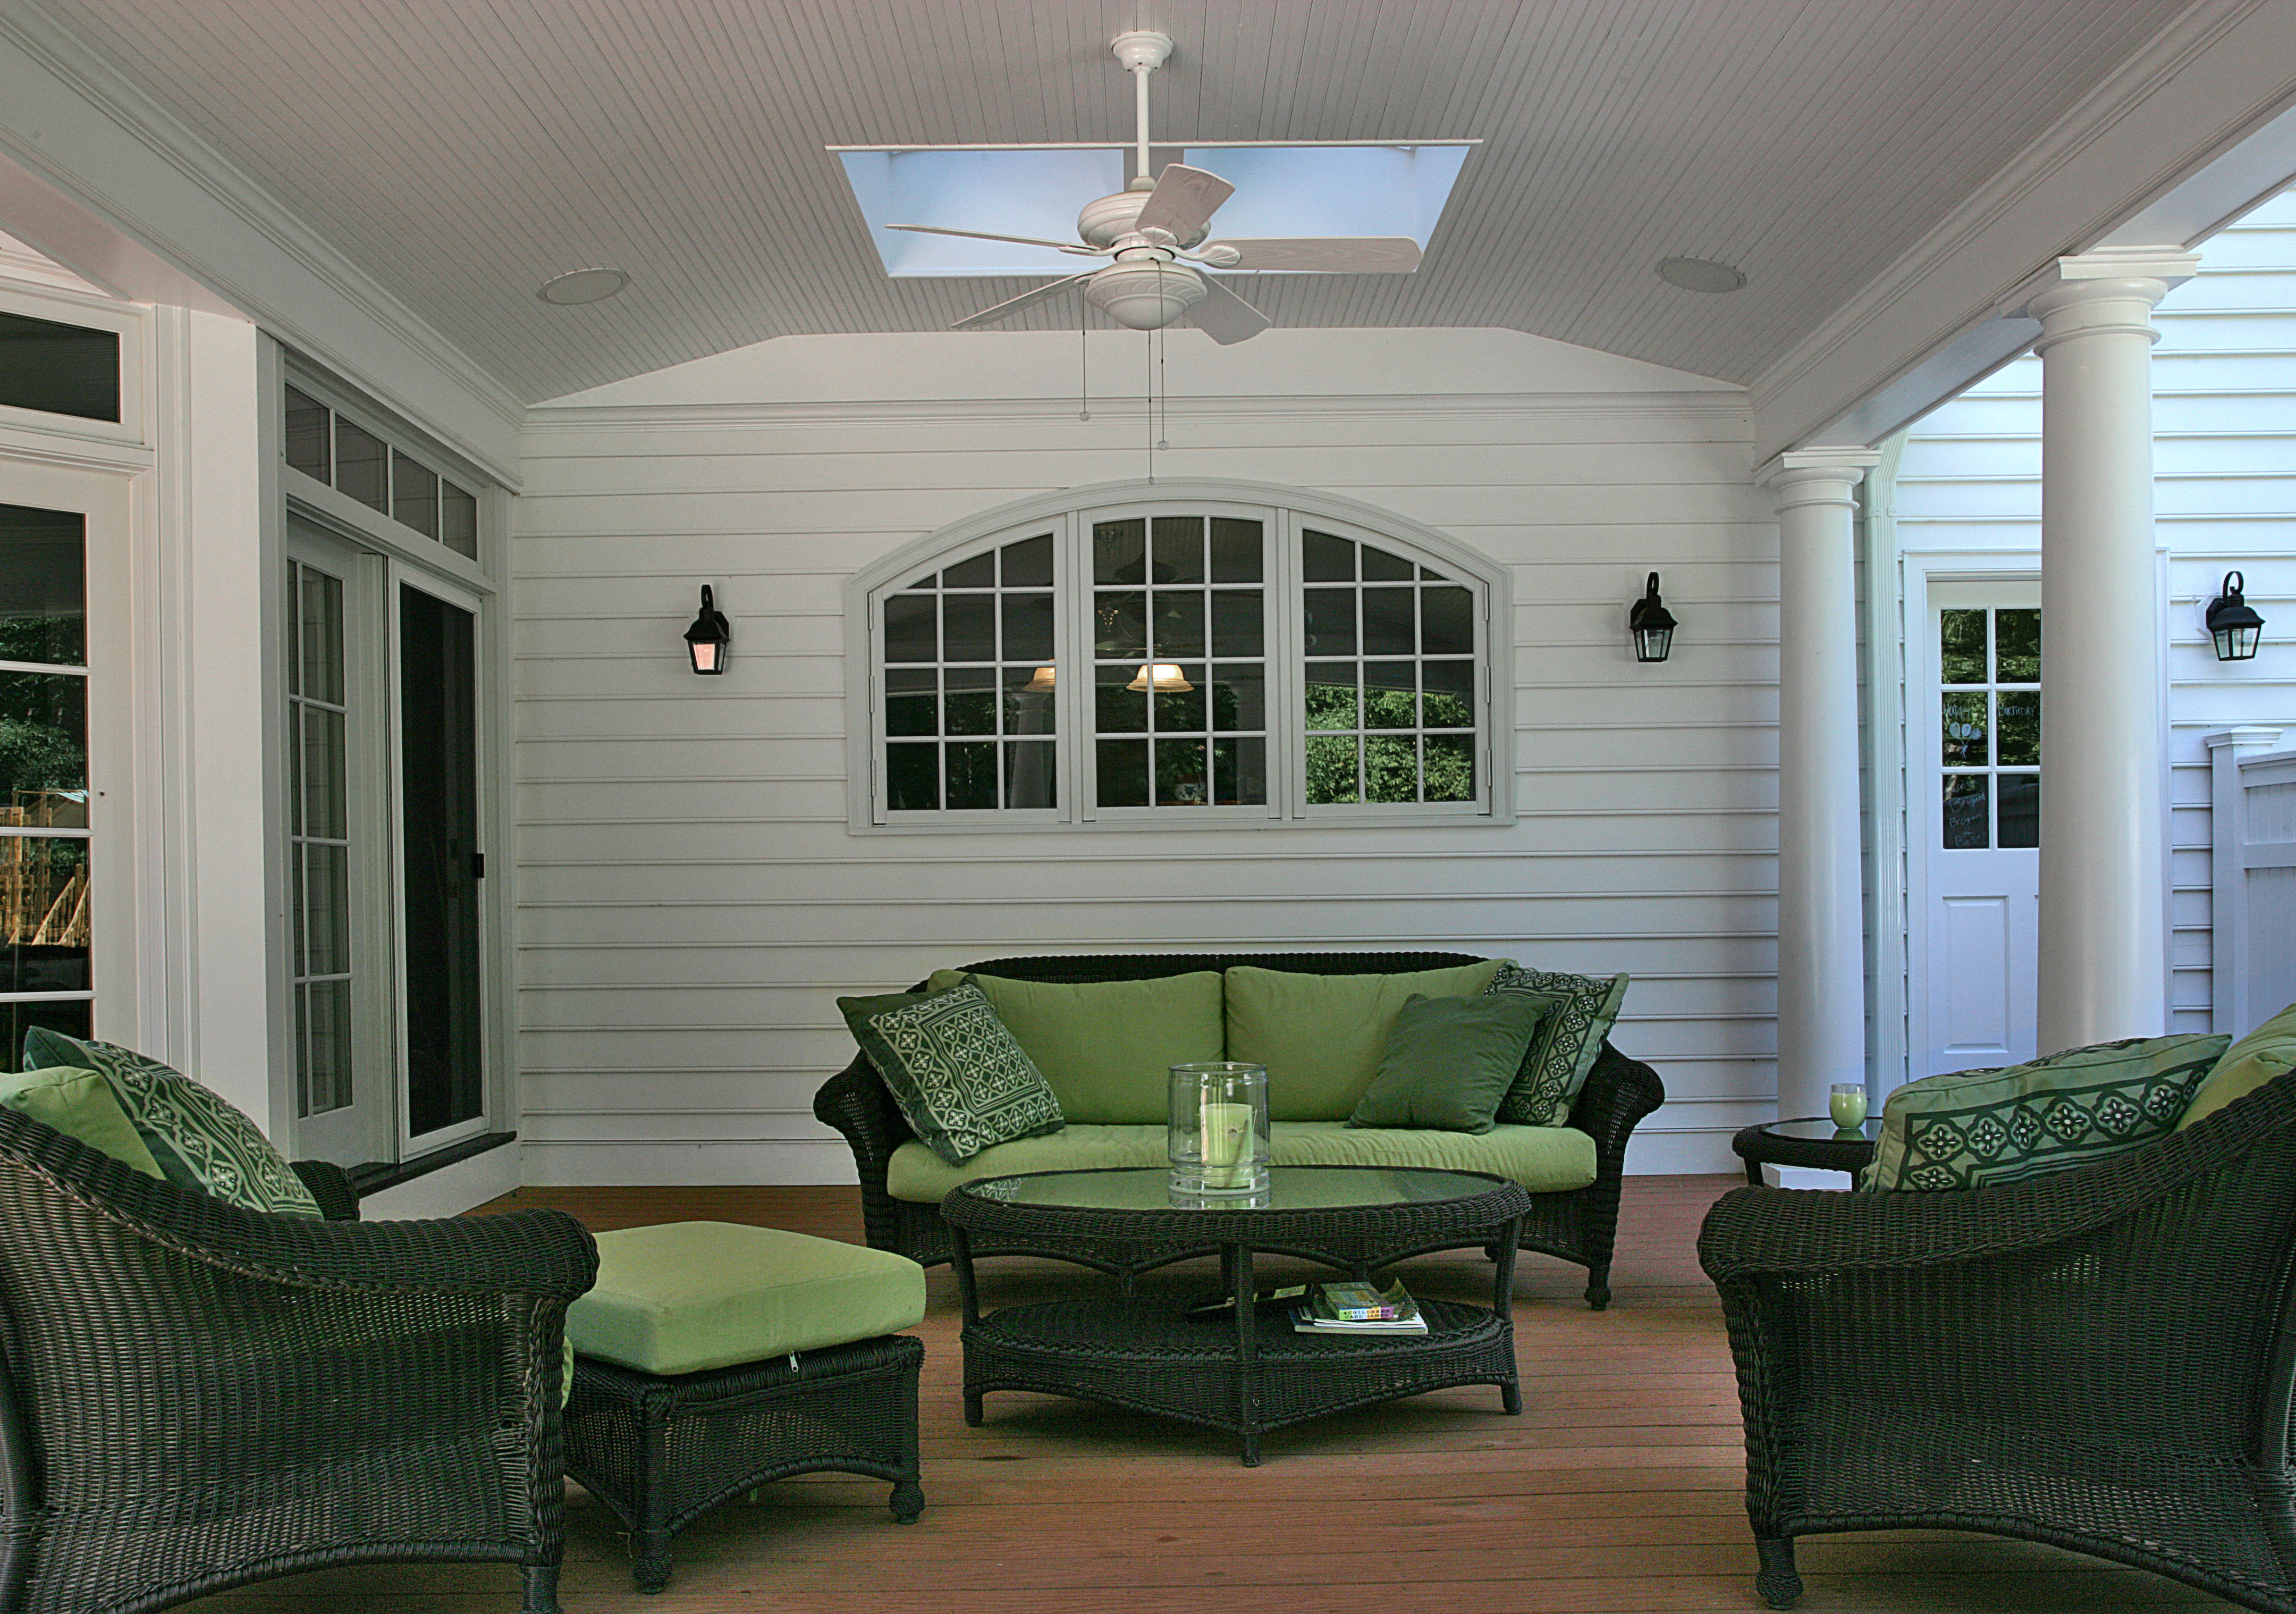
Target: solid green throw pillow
<point x="2267" y="1051"/>
<point x="1107" y="1047"/>
<point x="1450" y="1061"/>
<point x="962" y="1082"/>
<point x="1322" y="1036"/>
<point x="198" y="1140"/>
<point x="78" y="1102"/>
<point x="1568" y="1040"/>
<point x="1972" y="1128"/>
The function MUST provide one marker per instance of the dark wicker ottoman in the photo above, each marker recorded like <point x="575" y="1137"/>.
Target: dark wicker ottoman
<point x="662" y="1450"/>
<point x="712" y="1357"/>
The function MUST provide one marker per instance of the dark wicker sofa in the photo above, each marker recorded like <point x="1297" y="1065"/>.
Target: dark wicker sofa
<point x="1580" y="1225"/>
<point x="196" y="1396"/>
<point x="2102" y="1358"/>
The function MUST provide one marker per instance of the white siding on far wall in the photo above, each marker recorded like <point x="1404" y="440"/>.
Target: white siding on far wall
<point x="692" y="901"/>
<point x="2224" y="460"/>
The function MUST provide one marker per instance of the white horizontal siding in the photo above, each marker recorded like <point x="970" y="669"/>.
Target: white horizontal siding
<point x="2225" y="498"/>
<point x="692" y="902"/>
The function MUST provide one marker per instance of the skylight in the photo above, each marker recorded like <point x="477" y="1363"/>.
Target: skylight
<point x="1362" y="189"/>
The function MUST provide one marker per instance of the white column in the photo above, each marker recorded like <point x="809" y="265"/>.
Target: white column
<point x="2104" y="932"/>
<point x="1821" y="911"/>
<point x="2230" y="938"/>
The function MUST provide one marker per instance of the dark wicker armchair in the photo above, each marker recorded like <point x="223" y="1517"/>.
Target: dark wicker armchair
<point x="2101" y="1359"/>
<point x="1580" y="1225"/>
<point x="196" y="1396"/>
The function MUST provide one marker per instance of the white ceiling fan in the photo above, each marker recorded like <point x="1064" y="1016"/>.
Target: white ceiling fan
<point x="1154" y="229"/>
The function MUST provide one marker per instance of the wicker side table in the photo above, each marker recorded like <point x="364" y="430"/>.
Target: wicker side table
<point x="1255" y="1373"/>
<point x="1808" y="1140"/>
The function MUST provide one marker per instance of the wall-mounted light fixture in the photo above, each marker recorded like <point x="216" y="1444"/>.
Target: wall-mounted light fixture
<point x="1651" y="624"/>
<point x="1163" y="677"/>
<point x="2232" y="622"/>
<point x="706" y="640"/>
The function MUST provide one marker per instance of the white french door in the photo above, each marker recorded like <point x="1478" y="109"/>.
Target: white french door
<point x="386" y="943"/>
<point x="1975" y="720"/>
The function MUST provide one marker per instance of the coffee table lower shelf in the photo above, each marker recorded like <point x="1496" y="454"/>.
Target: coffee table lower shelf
<point x="1146" y="1356"/>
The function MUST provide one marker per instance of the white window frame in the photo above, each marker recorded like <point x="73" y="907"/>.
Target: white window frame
<point x="1069" y="515"/>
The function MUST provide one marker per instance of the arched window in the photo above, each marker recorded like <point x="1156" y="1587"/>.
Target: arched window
<point x="1179" y="654"/>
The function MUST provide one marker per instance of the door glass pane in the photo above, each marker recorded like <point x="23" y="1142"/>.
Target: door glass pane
<point x="1967" y="806"/>
<point x="439" y="768"/>
<point x="43" y="590"/>
<point x="2020" y="714"/>
<point x="2021" y="808"/>
<point x="1961" y="647"/>
<point x="74" y="1018"/>
<point x="43" y="737"/>
<point x="1989" y="735"/>
<point x="2017" y="647"/>
<point x="44" y="914"/>
<point x="319" y="858"/>
<point x="1964" y="737"/>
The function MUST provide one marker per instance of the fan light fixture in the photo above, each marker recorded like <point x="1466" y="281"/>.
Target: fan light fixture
<point x="2232" y="622"/>
<point x="1651" y="624"/>
<point x="706" y="640"/>
<point x="1163" y="677"/>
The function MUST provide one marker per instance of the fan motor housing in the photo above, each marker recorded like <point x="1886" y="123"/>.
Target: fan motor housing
<point x="1104" y="222"/>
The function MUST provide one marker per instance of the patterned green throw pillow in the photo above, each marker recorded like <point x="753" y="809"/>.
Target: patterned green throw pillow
<point x="200" y="1141"/>
<point x="1972" y="1128"/>
<point x="961" y="1080"/>
<point x="1569" y="1039"/>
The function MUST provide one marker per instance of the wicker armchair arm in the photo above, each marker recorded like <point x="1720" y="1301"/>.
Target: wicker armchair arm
<point x="1771" y="1232"/>
<point x="547" y="1254"/>
<point x="855" y="1101"/>
<point x="331" y="1186"/>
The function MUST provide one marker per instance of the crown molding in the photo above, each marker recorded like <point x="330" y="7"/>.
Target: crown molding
<point x="289" y="295"/>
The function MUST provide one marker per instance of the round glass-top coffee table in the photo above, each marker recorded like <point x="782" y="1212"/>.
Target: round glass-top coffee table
<point x="1247" y="1371"/>
<point x="1810" y="1141"/>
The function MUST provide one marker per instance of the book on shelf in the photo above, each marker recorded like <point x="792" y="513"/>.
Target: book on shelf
<point x="1339" y="1308"/>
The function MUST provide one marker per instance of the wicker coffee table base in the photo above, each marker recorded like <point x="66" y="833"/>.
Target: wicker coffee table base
<point x="662" y="1450"/>
<point x="1146" y="1356"/>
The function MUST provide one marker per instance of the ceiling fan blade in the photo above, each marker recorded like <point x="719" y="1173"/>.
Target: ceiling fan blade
<point x="1013" y="305"/>
<point x="1184" y="201"/>
<point x="1225" y="317"/>
<point x="1026" y="241"/>
<point x="1331" y="254"/>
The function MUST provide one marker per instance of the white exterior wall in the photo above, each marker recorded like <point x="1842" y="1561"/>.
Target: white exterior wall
<point x="692" y="901"/>
<point x="2225" y="495"/>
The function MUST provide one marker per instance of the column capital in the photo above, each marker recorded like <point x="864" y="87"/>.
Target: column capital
<point x="1817" y="476"/>
<point x="2103" y="275"/>
<point x="2246" y="734"/>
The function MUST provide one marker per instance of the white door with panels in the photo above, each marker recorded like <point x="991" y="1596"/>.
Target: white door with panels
<point x="1975" y="753"/>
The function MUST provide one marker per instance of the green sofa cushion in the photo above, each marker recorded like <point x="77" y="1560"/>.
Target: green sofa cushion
<point x="1541" y="1158"/>
<point x="686" y="1297"/>
<point x="1567" y="1043"/>
<point x="78" y="1102"/>
<point x="1322" y="1037"/>
<point x="2267" y="1051"/>
<point x="962" y="1082"/>
<point x="198" y="1140"/>
<point x="1107" y="1047"/>
<point x="1972" y="1128"/>
<point x="1450" y="1061"/>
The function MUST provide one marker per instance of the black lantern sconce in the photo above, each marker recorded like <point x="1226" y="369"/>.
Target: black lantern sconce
<point x="2232" y="622"/>
<point x="1651" y="624"/>
<point x="706" y="640"/>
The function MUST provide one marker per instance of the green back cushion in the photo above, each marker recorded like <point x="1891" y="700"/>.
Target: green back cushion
<point x="1972" y="1128"/>
<point x="1567" y="1043"/>
<point x="1448" y="1062"/>
<point x="1107" y="1047"/>
<point x="962" y="1082"/>
<point x="1322" y="1037"/>
<point x="684" y="1296"/>
<point x="2267" y="1051"/>
<point x="78" y="1102"/>
<point x="198" y="1140"/>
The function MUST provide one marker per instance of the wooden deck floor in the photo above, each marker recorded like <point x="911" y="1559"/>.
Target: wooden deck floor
<point x="1617" y="1489"/>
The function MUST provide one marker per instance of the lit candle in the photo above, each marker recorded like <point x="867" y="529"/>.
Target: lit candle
<point x="1226" y="1128"/>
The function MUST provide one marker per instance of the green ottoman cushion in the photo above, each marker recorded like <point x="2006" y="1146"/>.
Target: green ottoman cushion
<point x="687" y="1295"/>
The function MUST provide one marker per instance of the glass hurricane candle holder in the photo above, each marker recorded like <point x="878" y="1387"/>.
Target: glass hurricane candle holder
<point x="1218" y="1134"/>
<point x="1847" y="1105"/>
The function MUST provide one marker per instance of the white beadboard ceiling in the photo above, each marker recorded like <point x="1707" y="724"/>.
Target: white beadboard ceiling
<point x="462" y="152"/>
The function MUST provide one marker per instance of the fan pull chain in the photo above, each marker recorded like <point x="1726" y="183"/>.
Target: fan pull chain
<point x="1163" y="397"/>
<point x="1148" y="401"/>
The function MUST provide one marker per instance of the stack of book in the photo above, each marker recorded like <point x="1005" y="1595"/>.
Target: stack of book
<point x="1358" y="1308"/>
